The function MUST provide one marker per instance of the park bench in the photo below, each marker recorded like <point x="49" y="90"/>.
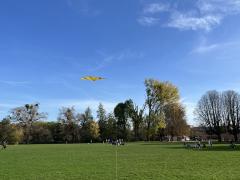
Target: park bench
<point x="195" y="146"/>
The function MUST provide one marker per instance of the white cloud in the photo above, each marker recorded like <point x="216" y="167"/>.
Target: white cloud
<point x="186" y="22"/>
<point x="190" y="108"/>
<point x="8" y="105"/>
<point x="155" y="8"/>
<point x="196" y="15"/>
<point x="83" y="7"/>
<point x="108" y="58"/>
<point x="219" y="6"/>
<point x="15" y="83"/>
<point x="78" y="104"/>
<point x="148" y="21"/>
<point x="206" y="48"/>
<point x="51" y="106"/>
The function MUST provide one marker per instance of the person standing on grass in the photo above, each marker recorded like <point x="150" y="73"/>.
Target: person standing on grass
<point x="210" y="142"/>
<point x="4" y="144"/>
<point x="232" y="145"/>
<point x="199" y="144"/>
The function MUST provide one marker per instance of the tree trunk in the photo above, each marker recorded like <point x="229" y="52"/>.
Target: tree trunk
<point x="136" y="134"/>
<point x="219" y="137"/>
<point x="29" y="132"/>
<point x="148" y="131"/>
<point x="235" y="137"/>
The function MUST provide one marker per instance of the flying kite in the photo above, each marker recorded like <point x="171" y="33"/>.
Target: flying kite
<point x="92" y="78"/>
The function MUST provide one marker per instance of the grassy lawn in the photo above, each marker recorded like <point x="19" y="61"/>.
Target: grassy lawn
<point x="134" y="161"/>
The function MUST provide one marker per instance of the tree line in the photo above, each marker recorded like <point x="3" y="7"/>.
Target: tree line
<point x="219" y="113"/>
<point x="162" y="115"/>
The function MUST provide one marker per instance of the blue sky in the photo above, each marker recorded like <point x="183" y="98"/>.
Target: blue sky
<point x="47" y="45"/>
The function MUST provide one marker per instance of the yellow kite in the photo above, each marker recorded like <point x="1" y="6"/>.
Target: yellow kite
<point x="92" y="78"/>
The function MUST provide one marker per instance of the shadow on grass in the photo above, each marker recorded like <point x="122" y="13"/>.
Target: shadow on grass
<point x="178" y="145"/>
<point x="160" y="143"/>
<point x="153" y="144"/>
<point x="214" y="148"/>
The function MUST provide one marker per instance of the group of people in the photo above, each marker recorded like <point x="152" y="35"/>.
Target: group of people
<point x="118" y="142"/>
<point x="4" y="144"/>
<point x="198" y="144"/>
<point x="232" y="144"/>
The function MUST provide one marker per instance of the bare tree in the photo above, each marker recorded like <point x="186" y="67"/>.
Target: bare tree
<point x="26" y="116"/>
<point x="85" y="117"/>
<point x="231" y="104"/>
<point x="68" y="118"/>
<point x="209" y="112"/>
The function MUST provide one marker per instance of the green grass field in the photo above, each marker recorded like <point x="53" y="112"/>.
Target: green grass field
<point x="133" y="161"/>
